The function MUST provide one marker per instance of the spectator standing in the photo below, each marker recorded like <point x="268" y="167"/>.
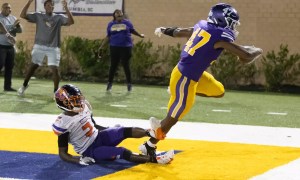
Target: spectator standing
<point x="10" y="26"/>
<point x="119" y="32"/>
<point x="47" y="39"/>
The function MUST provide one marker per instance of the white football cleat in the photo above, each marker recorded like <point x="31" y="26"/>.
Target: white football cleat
<point x="154" y="123"/>
<point x="22" y="90"/>
<point x="145" y="149"/>
<point x="156" y="126"/>
<point x="165" y="158"/>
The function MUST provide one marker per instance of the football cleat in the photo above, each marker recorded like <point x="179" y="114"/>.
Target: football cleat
<point x="150" y="133"/>
<point x="147" y="150"/>
<point x="22" y="89"/>
<point x="109" y="87"/>
<point x="156" y="126"/>
<point x="165" y="158"/>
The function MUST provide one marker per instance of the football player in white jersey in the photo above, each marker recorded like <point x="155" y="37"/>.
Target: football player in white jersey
<point x="94" y="143"/>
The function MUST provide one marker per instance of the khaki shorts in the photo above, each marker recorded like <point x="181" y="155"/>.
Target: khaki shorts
<point x="39" y="52"/>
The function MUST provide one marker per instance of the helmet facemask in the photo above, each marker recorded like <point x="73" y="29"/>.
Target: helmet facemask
<point x="232" y="24"/>
<point x="67" y="102"/>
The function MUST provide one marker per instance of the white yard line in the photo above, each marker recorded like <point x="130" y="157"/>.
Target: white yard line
<point x="118" y="105"/>
<point x="220" y="110"/>
<point x="275" y="136"/>
<point x="277" y="113"/>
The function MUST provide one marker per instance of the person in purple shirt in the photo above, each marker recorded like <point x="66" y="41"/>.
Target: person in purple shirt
<point x="119" y="32"/>
<point x="207" y="39"/>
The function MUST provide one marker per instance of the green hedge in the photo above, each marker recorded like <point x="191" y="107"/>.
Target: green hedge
<point x="153" y="64"/>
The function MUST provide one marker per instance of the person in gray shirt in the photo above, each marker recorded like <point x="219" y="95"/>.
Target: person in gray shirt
<point x="47" y="39"/>
<point x="10" y="27"/>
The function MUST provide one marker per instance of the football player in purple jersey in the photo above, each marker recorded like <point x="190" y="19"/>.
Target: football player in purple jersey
<point x="207" y="39"/>
<point x="75" y="125"/>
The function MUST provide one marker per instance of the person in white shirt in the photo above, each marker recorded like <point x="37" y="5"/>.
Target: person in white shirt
<point x="10" y="26"/>
<point x="75" y="125"/>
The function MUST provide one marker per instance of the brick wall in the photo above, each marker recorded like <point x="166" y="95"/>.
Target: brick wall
<point x="265" y="23"/>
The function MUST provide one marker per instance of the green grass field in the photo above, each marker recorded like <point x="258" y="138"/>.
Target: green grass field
<point x="236" y="107"/>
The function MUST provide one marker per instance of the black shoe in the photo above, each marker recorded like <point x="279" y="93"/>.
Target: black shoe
<point x="10" y="90"/>
<point x="108" y="88"/>
<point x="129" y="87"/>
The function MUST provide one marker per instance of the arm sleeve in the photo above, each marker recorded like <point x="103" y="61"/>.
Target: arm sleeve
<point x="58" y="127"/>
<point x="64" y="19"/>
<point x="63" y="140"/>
<point x="32" y="17"/>
<point x="130" y="26"/>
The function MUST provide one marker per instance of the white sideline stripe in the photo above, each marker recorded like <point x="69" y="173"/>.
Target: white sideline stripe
<point x="275" y="136"/>
<point x="118" y="105"/>
<point x="290" y="171"/>
<point x="277" y="113"/>
<point x="220" y="110"/>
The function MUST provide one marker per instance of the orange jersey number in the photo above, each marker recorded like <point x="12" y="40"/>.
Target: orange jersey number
<point x="90" y="127"/>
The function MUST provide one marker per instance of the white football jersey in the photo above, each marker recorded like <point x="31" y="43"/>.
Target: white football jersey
<point x="81" y="128"/>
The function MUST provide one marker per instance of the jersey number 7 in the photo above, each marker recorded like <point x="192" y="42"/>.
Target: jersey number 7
<point x="88" y="126"/>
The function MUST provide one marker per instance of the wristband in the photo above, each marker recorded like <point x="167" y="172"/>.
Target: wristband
<point x="170" y="31"/>
<point x="7" y="35"/>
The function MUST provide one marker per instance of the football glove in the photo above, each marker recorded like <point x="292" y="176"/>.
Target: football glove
<point x="253" y="49"/>
<point x="158" y="31"/>
<point x="86" y="161"/>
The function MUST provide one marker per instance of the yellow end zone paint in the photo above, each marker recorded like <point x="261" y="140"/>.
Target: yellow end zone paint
<point x="198" y="159"/>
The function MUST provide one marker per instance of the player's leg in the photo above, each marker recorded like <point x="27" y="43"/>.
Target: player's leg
<point x="114" y="136"/>
<point x="53" y="55"/>
<point x="208" y="86"/>
<point x="165" y="158"/>
<point x="182" y="91"/>
<point x="104" y="147"/>
<point x="109" y="153"/>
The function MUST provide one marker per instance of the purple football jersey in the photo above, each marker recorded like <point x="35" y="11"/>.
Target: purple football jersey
<point x="199" y="51"/>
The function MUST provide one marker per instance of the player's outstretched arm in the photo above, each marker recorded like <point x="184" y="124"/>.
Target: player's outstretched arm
<point x="174" y="31"/>
<point x="65" y="156"/>
<point x="246" y="54"/>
